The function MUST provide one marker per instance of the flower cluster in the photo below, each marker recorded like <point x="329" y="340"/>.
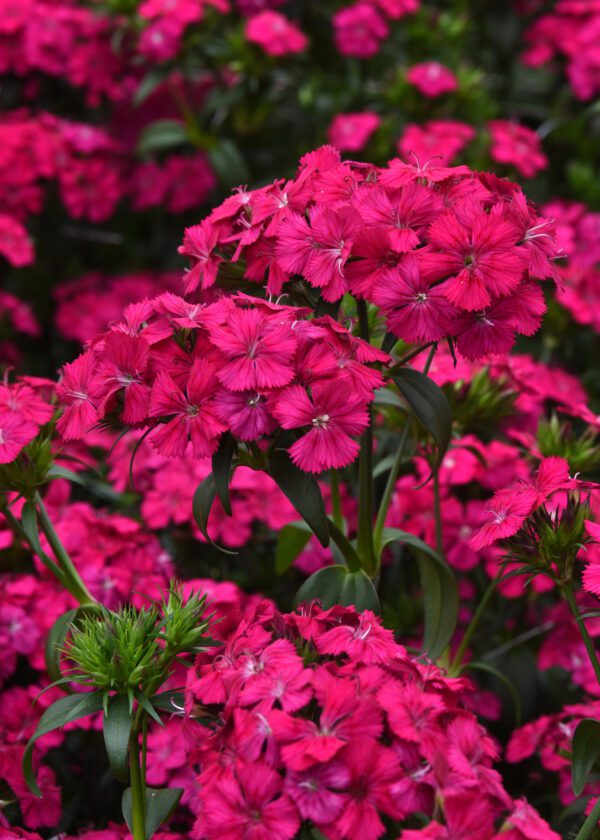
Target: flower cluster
<point x="571" y="31"/>
<point x="192" y="372"/>
<point x="444" y="252"/>
<point x="323" y="719"/>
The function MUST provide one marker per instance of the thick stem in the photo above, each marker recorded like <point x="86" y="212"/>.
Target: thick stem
<point x="456" y="663"/>
<point x="585" y="832"/>
<point x="138" y="799"/>
<point x="72" y="581"/>
<point x="364" y="540"/>
<point x="587" y="641"/>
<point x="353" y="560"/>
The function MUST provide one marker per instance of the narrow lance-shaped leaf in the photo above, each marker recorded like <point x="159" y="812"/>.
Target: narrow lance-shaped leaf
<point x="116" y="726"/>
<point x="303" y="492"/>
<point x="440" y="592"/>
<point x="67" y="709"/>
<point x="201" y="506"/>
<point x="221" y="469"/>
<point x="57" y="635"/>
<point x="586" y="750"/>
<point x="429" y="404"/>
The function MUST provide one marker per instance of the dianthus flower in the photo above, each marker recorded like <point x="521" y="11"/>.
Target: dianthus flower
<point x="352" y="132"/>
<point x="359" y="30"/>
<point x="432" y="79"/>
<point x="376" y="736"/>
<point x="274" y="33"/>
<point x="518" y="146"/>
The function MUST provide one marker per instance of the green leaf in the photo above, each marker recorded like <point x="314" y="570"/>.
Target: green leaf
<point x="160" y="135"/>
<point x="336" y="585"/>
<point x="586" y="750"/>
<point x="221" y="469"/>
<point x="228" y="163"/>
<point x="160" y="804"/>
<point x="56" y="471"/>
<point x="117" y="721"/>
<point x="64" y="711"/>
<point x="58" y="634"/>
<point x="440" y="592"/>
<point x="166" y="699"/>
<point x="30" y="526"/>
<point x="384" y="396"/>
<point x="201" y="505"/>
<point x="147" y="86"/>
<point x="429" y="404"/>
<point x="148" y="707"/>
<point x="303" y="492"/>
<point x="292" y="539"/>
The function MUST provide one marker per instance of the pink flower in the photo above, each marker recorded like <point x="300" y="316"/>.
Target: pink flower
<point x="15" y="244"/>
<point x="199" y="243"/>
<point x="73" y="390"/>
<point x="247" y="804"/>
<point x="374" y="770"/>
<point x="524" y="823"/>
<point x="193" y="415"/>
<point x="274" y="33"/>
<point x="352" y="132"/>
<point x="368" y="642"/>
<point x="123" y="367"/>
<point x="15" y="433"/>
<point x="436" y="138"/>
<point x="432" y="79"/>
<point x="505" y="513"/>
<point x="317" y="791"/>
<point x="518" y="146"/>
<point x="245" y="413"/>
<point x="257" y="350"/>
<point x="359" y="30"/>
<point x="478" y="253"/>
<point x="415" y="310"/>
<point x="332" y="417"/>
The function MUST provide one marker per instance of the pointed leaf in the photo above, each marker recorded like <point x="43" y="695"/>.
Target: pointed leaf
<point x="58" y="634"/>
<point x="586" y="750"/>
<point x="160" y="804"/>
<point x="201" y="506"/>
<point x="64" y="711"/>
<point x="116" y="726"/>
<point x="440" y="592"/>
<point x="221" y="469"/>
<point x="148" y="707"/>
<point x="163" y="134"/>
<point x="292" y="540"/>
<point x="336" y="585"/>
<point x="228" y="163"/>
<point x="56" y="471"/>
<point x="429" y="404"/>
<point x="303" y="492"/>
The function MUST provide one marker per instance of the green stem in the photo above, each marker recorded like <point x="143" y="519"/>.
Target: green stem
<point x="364" y="541"/>
<point x="587" y="641"/>
<point x="336" y="502"/>
<point x="349" y="553"/>
<point x="390" y="486"/>
<point x="19" y="531"/>
<point x="456" y="663"/>
<point x="405" y="359"/>
<point x="138" y="799"/>
<point x="72" y="580"/>
<point x="591" y="823"/>
<point x="144" y="752"/>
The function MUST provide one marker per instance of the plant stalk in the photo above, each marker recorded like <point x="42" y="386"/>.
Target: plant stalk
<point x="72" y="581"/>
<point x="586" y="638"/>
<point x="364" y="541"/>
<point x="585" y="832"/>
<point x="138" y="799"/>
<point x="455" y="665"/>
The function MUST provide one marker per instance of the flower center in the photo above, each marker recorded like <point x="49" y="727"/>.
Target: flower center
<point x="321" y="421"/>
